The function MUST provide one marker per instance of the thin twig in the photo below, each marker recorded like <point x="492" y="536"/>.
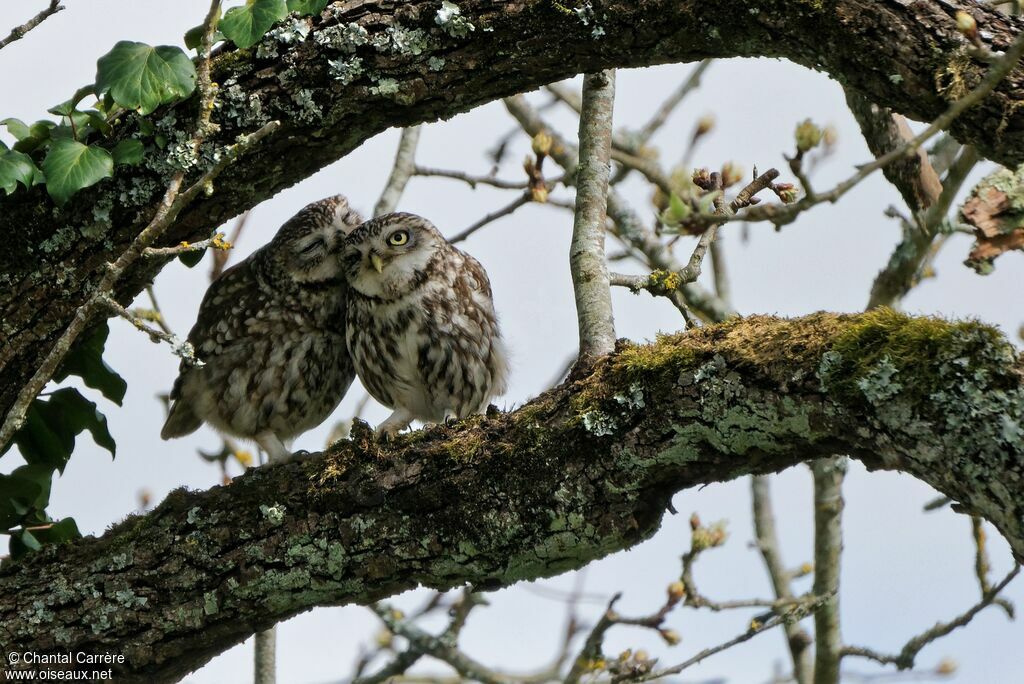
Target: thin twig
<point x="901" y="273"/>
<point x="471" y="180"/>
<point x="673" y="101"/>
<point x="781" y="214"/>
<point x="401" y="172"/>
<point x="904" y="660"/>
<point x="157" y="313"/>
<point x="626" y="225"/>
<point x="525" y="198"/>
<point x="217" y="242"/>
<point x="796" y="614"/>
<point x="797" y="639"/>
<point x="981" y="563"/>
<point x="435" y="646"/>
<point x="18" y="32"/>
<point x="828" y="476"/>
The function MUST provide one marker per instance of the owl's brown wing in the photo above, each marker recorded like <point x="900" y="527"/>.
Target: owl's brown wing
<point x="224" y="310"/>
<point x="222" y="316"/>
<point x="471" y="278"/>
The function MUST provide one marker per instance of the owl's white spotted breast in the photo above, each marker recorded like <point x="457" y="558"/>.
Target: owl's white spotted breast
<point x="435" y="350"/>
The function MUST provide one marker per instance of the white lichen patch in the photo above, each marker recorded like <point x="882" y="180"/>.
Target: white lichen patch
<point x="634" y="399"/>
<point x="880" y="384"/>
<point x="274" y="514"/>
<point x="451" y="21"/>
<point x="598" y="423"/>
<point x="400" y="40"/>
<point x="290" y="32"/>
<point x="309" y="111"/>
<point x="344" y="37"/>
<point x="345" y="70"/>
<point x="386" y="86"/>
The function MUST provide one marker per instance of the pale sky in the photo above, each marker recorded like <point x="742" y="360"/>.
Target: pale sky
<point x="902" y="571"/>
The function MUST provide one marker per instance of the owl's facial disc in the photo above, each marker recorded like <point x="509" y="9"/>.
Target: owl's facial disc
<point x="312" y="254"/>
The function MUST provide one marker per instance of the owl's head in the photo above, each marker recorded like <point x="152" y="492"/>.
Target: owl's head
<point x="305" y="247"/>
<point x="387" y="255"/>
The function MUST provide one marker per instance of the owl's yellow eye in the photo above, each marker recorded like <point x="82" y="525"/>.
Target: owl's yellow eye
<point x="398" y="238"/>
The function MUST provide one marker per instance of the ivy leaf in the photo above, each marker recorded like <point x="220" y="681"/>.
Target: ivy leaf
<point x="70" y="166"/>
<point x="38" y="135"/>
<point x="17" y="128"/>
<point x="58" y="532"/>
<point x="143" y="77"/>
<point x="244" y="26"/>
<point x="51" y="425"/>
<point x="128" y="152"/>
<point x="307" y="6"/>
<point x="194" y="36"/>
<point x="86" y="361"/>
<point x="19" y="494"/>
<point x="22" y="543"/>
<point x="191" y="259"/>
<point x="15" y="168"/>
<point x="65" y="108"/>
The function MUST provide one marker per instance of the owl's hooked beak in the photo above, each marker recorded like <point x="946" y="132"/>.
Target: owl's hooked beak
<point x="378" y="263"/>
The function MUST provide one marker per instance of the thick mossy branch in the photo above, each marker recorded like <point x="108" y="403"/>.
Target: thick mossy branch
<point x="580" y="472"/>
<point x="366" y="65"/>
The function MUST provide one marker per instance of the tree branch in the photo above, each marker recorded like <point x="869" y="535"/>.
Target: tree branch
<point x="583" y="470"/>
<point x="586" y="252"/>
<point x="18" y="32"/>
<point x="895" y="56"/>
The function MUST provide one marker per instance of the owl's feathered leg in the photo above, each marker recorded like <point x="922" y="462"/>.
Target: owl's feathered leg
<point x="273" y="446"/>
<point x="395" y="423"/>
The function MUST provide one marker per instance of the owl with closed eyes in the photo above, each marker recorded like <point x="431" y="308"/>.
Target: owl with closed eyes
<point x="271" y="337"/>
<point x="421" y="327"/>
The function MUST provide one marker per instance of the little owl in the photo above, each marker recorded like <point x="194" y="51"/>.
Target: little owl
<point x="271" y="336"/>
<point x="421" y="330"/>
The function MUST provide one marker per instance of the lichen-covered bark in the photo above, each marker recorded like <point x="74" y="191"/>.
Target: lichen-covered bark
<point x="580" y="472"/>
<point x="368" y="65"/>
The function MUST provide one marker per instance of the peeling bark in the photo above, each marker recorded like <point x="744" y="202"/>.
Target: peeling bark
<point x="580" y="472"/>
<point x="902" y="55"/>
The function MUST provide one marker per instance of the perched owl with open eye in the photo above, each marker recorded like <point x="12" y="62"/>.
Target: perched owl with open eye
<point x="421" y="330"/>
<point x="271" y="336"/>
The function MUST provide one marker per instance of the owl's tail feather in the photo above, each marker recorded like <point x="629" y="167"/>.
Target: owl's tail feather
<point x="180" y="422"/>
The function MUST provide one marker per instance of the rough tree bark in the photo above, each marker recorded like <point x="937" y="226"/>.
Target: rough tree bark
<point x="903" y="55"/>
<point x="583" y="470"/>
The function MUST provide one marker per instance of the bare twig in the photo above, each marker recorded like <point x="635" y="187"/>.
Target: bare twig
<point x="904" y="660"/>
<point x="469" y="179"/>
<point x="18" y="32"/>
<point x="782" y="214"/>
<point x="797" y="613"/>
<point x="719" y="270"/>
<point x="981" y="564"/>
<point x="157" y="314"/>
<point x="672" y="101"/>
<point x="902" y="271"/>
<point x="509" y="208"/>
<point x="828" y="547"/>
<point x="217" y="242"/>
<point x="586" y="253"/>
<point x="437" y="647"/>
<point x="667" y="284"/>
<point x="797" y="639"/>
<point x="401" y="172"/>
<point x="626" y="224"/>
<point x="180" y="348"/>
